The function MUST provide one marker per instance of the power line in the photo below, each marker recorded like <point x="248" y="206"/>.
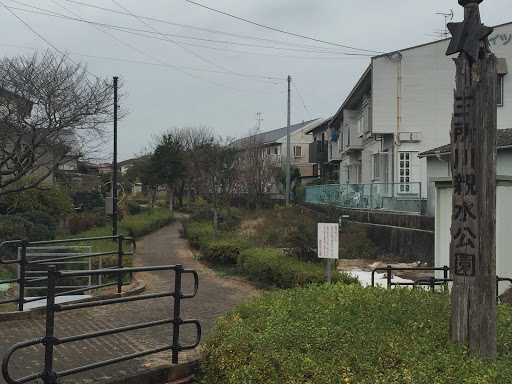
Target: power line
<point x="148" y="55"/>
<point x="300" y="97"/>
<point x="140" y="62"/>
<point x="65" y="57"/>
<point x="186" y="49"/>
<point x="193" y="27"/>
<point x="311" y="49"/>
<point x="280" y="30"/>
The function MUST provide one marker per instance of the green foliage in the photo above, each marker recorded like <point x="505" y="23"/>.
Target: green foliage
<point x="198" y="233"/>
<point x="46" y="198"/>
<point x="85" y="221"/>
<point x="166" y="164"/>
<point x="144" y="223"/>
<point x="133" y="207"/>
<point x="44" y="218"/>
<point x="224" y="251"/>
<point x="272" y="267"/>
<point x="334" y="334"/>
<point x="162" y="203"/>
<point x="354" y="243"/>
<point x="139" y="197"/>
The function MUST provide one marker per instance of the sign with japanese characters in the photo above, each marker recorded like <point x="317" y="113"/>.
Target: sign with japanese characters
<point x="464" y="216"/>
<point x="328" y="240"/>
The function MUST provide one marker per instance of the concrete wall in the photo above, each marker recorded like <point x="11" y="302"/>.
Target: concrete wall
<point x="411" y="237"/>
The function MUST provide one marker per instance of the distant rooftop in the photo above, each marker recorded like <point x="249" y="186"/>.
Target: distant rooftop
<point x="503" y="139"/>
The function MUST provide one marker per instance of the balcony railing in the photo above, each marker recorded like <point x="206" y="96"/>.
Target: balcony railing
<point x="318" y="151"/>
<point x="397" y="197"/>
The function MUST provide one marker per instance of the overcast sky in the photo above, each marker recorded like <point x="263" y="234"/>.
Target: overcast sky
<point x="202" y="68"/>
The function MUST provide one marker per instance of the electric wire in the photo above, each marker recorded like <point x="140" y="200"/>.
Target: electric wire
<point x="65" y="57"/>
<point x="193" y="27"/>
<point x="311" y="49"/>
<point x="280" y="30"/>
<point x="300" y="97"/>
<point x="186" y="49"/>
<point x="150" y="56"/>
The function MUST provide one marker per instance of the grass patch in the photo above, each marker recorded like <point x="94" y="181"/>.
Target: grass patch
<point x="333" y="334"/>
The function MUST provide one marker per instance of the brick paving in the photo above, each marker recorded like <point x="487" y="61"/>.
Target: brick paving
<point x="215" y="297"/>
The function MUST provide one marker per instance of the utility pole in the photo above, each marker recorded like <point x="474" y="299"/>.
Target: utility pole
<point x="114" y="182"/>
<point x="473" y="159"/>
<point x="288" y="178"/>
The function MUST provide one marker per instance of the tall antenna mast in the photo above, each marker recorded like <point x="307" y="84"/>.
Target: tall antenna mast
<point x="258" y="114"/>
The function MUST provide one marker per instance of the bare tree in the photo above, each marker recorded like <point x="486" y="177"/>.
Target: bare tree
<point x="258" y="168"/>
<point x="51" y="112"/>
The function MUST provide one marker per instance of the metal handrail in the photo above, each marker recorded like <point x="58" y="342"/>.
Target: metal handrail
<point x="24" y="263"/>
<point x="50" y="376"/>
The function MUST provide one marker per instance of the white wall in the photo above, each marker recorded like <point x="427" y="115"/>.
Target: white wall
<point x="503" y="238"/>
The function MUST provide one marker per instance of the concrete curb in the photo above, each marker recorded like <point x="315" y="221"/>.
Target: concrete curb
<point x="161" y="375"/>
<point x="36" y="313"/>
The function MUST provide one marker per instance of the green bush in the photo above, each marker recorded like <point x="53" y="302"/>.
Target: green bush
<point x="133" y="207"/>
<point x="85" y="221"/>
<point x="162" y="203"/>
<point x="332" y="334"/>
<point x="224" y="251"/>
<point x="44" y="218"/>
<point x="139" y="198"/>
<point x="354" y="243"/>
<point x="274" y="268"/>
<point x="198" y="233"/>
<point x="49" y="198"/>
<point x="144" y="223"/>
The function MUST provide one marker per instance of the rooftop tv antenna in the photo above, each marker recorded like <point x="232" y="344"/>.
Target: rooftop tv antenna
<point x="444" y="33"/>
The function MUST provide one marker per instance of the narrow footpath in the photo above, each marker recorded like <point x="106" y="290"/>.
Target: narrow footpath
<point x="215" y="297"/>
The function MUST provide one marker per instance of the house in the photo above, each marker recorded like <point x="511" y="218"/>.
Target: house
<point x="401" y="106"/>
<point x="439" y="173"/>
<point x="274" y="146"/>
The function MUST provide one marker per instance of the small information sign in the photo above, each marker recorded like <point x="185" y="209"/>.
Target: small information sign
<point x="328" y="240"/>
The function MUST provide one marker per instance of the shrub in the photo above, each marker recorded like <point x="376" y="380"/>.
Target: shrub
<point x="49" y="198"/>
<point x="85" y="221"/>
<point x="273" y="267"/>
<point x="142" y="224"/>
<point x="133" y="207"/>
<point x="224" y="251"/>
<point x="347" y="334"/>
<point x="162" y="203"/>
<point x="354" y="243"/>
<point x="139" y="198"/>
<point x="198" y="233"/>
<point x="44" y="218"/>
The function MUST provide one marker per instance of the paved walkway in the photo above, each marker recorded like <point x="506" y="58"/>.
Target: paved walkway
<point x="215" y="297"/>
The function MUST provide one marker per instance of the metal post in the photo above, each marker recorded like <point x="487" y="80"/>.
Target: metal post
<point x="21" y="281"/>
<point x="120" y="255"/>
<point x="388" y="269"/>
<point x="328" y="271"/>
<point x="177" y="319"/>
<point x="445" y="272"/>
<point x="114" y="182"/>
<point x="432" y="284"/>
<point x="49" y="376"/>
<point x="288" y="155"/>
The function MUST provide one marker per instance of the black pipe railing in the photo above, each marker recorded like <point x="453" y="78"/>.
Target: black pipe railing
<point x="49" y="376"/>
<point x="389" y="269"/>
<point x="23" y="263"/>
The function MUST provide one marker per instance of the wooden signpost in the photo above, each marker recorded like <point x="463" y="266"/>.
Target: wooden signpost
<point x="473" y="163"/>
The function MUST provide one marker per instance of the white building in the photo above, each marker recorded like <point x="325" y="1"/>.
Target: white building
<point x="402" y="105"/>
<point x="439" y="173"/>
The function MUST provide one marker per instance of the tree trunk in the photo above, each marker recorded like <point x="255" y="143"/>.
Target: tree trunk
<point x="171" y="198"/>
<point x="188" y="192"/>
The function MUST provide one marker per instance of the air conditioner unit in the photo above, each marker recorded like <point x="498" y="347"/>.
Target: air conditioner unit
<point x="415" y="136"/>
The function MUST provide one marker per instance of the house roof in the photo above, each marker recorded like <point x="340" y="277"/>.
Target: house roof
<point x="503" y="140"/>
<point x="324" y="124"/>
<point x="272" y="136"/>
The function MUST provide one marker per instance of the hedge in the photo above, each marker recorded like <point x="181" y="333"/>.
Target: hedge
<point x="337" y="333"/>
<point x="273" y="267"/>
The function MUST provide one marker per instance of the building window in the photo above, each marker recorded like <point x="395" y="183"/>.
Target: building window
<point x="297" y="151"/>
<point x="276" y="151"/>
<point x="499" y="91"/>
<point x="405" y="166"/>
<point x="376" y="166"/>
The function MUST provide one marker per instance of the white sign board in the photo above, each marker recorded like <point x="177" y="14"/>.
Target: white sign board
<point x="328" y="240"/>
